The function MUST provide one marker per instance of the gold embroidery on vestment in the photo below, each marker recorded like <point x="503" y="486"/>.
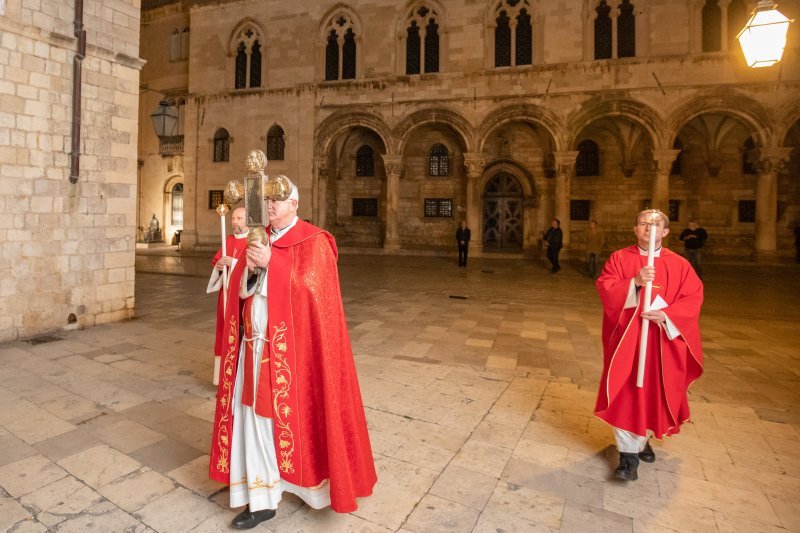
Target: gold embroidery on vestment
<point x="280" y="409"/>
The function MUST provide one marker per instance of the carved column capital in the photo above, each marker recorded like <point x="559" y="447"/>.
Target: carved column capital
<point x="772" y="160"/>
<point x="393" y="164"/>
<point x="474" y="162"/>
<point x="663" y="159"/>
<point x="565" y="161"/>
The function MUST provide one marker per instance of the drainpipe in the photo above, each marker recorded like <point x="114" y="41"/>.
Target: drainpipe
<point x="77" y="63"/>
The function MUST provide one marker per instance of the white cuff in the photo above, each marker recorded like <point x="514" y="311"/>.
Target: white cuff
<point x="633" y="299"/>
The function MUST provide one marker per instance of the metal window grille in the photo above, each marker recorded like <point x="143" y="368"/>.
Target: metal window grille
<point x="365" y="207"/>
<point x="579" y="209"/>
<point x="438" y="207"/>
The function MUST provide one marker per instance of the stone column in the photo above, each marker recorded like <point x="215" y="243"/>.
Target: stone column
<point x="662" y="164"/>
<point x="565" y="168"/>
<point x="474" y="164"/>
<point x="771" y="161"/>
<point x="319" y="204"/>
<point x="393" y="164"/>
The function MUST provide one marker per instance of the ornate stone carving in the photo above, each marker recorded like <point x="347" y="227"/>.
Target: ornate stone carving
<point x="393" y="164"/>
<point x="474" y="163"/>
<point x="773" y="160"/>
<point x="564" y="162"/>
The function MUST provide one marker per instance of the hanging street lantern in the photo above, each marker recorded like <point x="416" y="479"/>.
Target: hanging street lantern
<point x="164" y="118"/>
<point x="764" y="36"/>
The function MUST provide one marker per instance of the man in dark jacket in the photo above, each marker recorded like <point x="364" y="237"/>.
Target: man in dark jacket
<point x="554" y="238"/>
<point x="462" y="239"/>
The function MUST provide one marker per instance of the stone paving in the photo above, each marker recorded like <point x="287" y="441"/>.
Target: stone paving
<point x="478" y="383"/>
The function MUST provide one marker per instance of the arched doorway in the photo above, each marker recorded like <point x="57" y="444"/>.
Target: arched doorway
<point x="503" y="220"/>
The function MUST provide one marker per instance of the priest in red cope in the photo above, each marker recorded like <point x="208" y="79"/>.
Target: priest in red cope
<point x="235" y="246"/>
<point x="289" y="416"/>
<point x="674" y="354"/>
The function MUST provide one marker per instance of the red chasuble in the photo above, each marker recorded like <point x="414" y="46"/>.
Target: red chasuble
<point x="309" y="385"/>
<point x="235" y="248"/>
<point x="672" y="365"/>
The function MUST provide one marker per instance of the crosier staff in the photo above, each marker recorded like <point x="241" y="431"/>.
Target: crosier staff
<point x="652" y="219"/>
<point x="222" y="210"/>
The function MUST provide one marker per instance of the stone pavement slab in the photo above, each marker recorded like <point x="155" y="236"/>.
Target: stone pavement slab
<point x="479" y="409"/>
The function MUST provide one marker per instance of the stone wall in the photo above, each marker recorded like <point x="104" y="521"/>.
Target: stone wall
<point x="515" y="119"/>
<point x="67" y="249"/>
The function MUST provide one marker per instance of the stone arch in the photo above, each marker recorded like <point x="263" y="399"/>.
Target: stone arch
<point x="330" y="128"/>
<point x="730" y="103"/>
<point x="339" y="8"/>
<point x="790" y="110"/>
<point x="531" y="113"/>
<point x="613" y="106"/>
<point x="514" y="168"/>
<point x="440" y="116"/>
<point x="237" y="30"/>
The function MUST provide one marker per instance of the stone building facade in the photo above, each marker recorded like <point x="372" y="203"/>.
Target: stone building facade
<point x="67" y="217"/>
<point x="399" y="119"/>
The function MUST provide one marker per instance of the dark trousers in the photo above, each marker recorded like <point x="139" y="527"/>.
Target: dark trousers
<point x="695" y="257"/>
<point x="463" y="250"/>
<point x="552" y="256"/>
<point x="591" y="265"/>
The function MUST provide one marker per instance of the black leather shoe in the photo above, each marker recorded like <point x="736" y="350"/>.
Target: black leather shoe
<point x="628" y="466"/>
<point x="249" y="520"/>
<point x="647" y="455"/>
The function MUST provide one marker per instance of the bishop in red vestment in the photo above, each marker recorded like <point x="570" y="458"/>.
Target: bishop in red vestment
<point x="674" y="353"/>
<point x="289" y="415"/>
<point x="235" y="246"/>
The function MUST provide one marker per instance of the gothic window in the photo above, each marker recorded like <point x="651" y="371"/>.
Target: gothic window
<point x="588" y="161"/>
<point x="675" y="170"/>
<point x="626" y="30"/>
<point x="513" y="25"/>
<point x="276" y="143"/>
<point x="222" y="146"/>
<point x="602" y="31"/>
<point x="365" y="162"/>
<point x="749" y="157"/>
<point x="255" y="66"/>
<point x="439" y="160"/>
<point x="241" y="67"/>
<point x="341" y="36"/>
<point x="422" y="39"/>
<point x="432" y="46"/>
<point x="737" y="17"/>
<point x="712" y="26"/>
<point x="332" y="57"/>
<point x="176" y="203"/>
<point x="248" y="62"/>
<point x="502" y="41"/>
<point x="412" y="49"/>
<point x="349" y="55"/>
<point x="524" y="36"/>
